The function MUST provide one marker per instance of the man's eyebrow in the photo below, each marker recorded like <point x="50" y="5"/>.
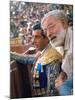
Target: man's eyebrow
<point x="51" y="25"/>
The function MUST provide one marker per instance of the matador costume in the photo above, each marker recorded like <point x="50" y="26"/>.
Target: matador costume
<point x="45" y="71"/>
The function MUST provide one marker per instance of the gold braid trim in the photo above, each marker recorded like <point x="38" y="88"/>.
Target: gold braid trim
<point x="49" y="55"/>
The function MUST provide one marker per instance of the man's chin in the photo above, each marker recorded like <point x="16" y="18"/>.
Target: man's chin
<point x="53" y="38"/>
<point x="37" y="48"/>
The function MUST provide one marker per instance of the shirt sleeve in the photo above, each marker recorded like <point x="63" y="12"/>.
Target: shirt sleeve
<point x="53" y="70"/>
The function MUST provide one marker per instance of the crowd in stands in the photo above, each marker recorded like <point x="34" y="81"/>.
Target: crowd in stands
<point x="24" y="14"/>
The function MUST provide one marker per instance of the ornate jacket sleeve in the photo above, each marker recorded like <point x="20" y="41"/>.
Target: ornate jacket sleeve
<point x="53" y="70"/>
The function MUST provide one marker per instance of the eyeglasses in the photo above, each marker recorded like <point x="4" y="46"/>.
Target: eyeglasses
<point x="50" y="26"/>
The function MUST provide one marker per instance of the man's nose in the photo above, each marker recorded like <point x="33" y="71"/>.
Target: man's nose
<point x="49" y="34"/>
<point x="33" y="40"/>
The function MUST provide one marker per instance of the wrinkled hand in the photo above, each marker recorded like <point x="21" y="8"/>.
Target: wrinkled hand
<point x="58" y="83"/>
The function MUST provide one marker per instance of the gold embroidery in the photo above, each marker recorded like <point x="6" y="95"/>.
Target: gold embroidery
<point x="38" y="92"/>
<point x="37" y="83"/>
<point x="43" y="91"/>
<point x="37" y="74"/>
<point x="49" y="55"/>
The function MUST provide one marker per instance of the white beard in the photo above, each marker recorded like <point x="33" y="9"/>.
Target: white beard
<point x="59" y="40"/>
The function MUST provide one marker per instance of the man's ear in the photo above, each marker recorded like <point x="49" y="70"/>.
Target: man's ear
<point x="65" y="23"/>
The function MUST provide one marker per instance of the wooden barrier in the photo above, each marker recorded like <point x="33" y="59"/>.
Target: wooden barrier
<point x="20" y="72"/>
<point x="20" y="80"/>
<point x="15" y="41"/>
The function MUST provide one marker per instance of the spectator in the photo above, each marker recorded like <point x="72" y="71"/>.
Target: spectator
<point x="55" y="24"/>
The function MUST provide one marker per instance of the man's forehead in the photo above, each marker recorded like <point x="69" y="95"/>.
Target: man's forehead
<point x="38" y="32"/>
<point x="49" y="21"/>
<point x="60" y="14"/>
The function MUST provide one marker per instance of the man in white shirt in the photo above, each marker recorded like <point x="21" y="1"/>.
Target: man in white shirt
<point x="55" y="25"/>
